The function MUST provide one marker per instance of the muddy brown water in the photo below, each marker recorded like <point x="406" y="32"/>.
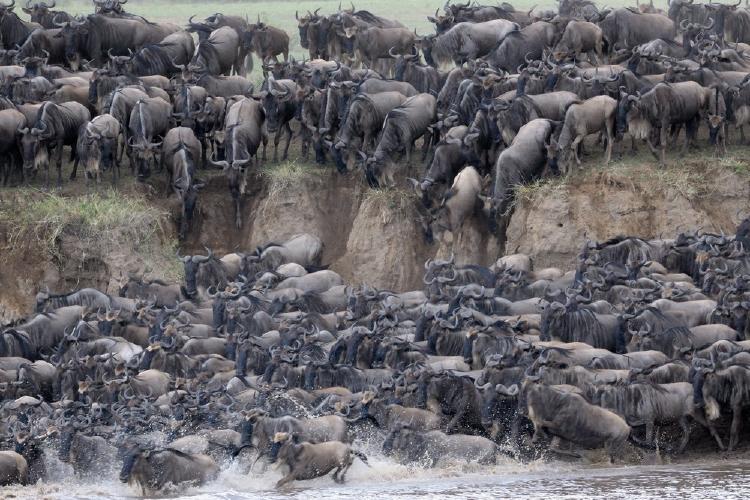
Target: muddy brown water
<point x="715" y="479"/>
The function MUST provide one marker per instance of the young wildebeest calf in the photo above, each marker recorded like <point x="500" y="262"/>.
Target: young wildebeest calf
<point x="581" y="119"/>
<point x="308" y="461"/>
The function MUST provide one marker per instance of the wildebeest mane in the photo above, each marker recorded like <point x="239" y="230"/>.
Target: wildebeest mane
<point x="14" y="30"/>
<point x="58" y="115"/>
<point x="153" y="60"/>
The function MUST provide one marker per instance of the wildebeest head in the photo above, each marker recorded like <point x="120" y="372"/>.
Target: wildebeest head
<point x="73" y="32"/>
<point x="34" y="149"/>
<point x="191" y="265"/>
<point x="437" y="273"/>
<point x="442" y="23"/>
<point x="131" y="456"/>
<point x="274" y="100"/>
<point x="145" y="154"/>
<point x="6" y="9"/>
<point x="303" y="24"/>
<point x="403" y="61"/>
<point x="39" y="11"/>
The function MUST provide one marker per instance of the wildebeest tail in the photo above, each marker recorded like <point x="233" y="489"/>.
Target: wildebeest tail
<point x="361" y="456"/>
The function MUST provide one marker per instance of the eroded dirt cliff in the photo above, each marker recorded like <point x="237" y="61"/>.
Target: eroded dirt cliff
<point x="370" y="236"/>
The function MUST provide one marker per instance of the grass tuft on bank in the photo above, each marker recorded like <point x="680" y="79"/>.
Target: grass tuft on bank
<point x="288" y="174"/>
<point x="692" y="177"/>
<point x="107" y="222"/>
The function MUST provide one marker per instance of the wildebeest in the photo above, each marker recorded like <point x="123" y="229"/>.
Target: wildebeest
<point x="582" y="119"/>
<point x="13" y="468"/>
<point x="99" y="142"/>
<point x="519" y="45"/>
<point x="662" y="107"/>
<point x="465" y="41"/>
<point x="152" y="470"/>
<point x="43" y="14"/>
<point x="523" y="161"/>
<point x="311" y="460"/>
<point x="651" y="405"/>
<point x="243" y="134"/>
<point x="163" y="58"/>
<point x="373" y="43"/>
<point x="365" y="116"/>
<point x="267" y="42"/>
<point x="279" y="107"/>
<point x="149" y="121"/>
<point x="97" y="35"/>
<point x="180" y="154"/>
<point x="89" y="455"/>
<point x="434" y="447"/>
<point x="217" y="54"/>
<point x="624" y="28"/>
<point x="11" y="121"/>
<point x="569" y="416"/>
<point x="403" y="126"/>
<point x="56" y="125"/>
<point x="582" y="37"/>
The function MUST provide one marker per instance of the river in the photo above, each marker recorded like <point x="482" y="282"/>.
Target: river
<point x="384" y="480"/>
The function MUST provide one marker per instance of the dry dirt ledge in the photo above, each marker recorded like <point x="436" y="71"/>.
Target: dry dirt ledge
<point x="370" y="236"/>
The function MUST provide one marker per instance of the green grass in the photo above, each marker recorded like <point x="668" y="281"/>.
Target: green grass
<point x="106" y="222"/>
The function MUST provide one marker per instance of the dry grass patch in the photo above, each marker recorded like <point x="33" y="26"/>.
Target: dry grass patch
<point x="106" y="222"/>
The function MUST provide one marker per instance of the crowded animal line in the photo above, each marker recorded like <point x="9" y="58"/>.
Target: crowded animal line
<point x="265" y="355"/>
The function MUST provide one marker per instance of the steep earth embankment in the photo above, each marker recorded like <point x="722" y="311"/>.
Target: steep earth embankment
<point x="370" y="236"/>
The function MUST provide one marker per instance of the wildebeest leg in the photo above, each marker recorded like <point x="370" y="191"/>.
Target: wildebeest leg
<point x="574" y="147"/>
<point x="305" y="147"/>
<point x="555" y="447"/>
<point x="345" y="468"/>
<point x="285" y="480"/>
<point x="58" y="160"/>
<point x="663" y="146"/>
<point x="685" y="426"/>
<point x="289" y="134"/>
<point x="649" y="432"/>
<point x="115" y="172"/>
<point x="654" y="150"/>
<point x="238" y="211"/>
<point x="426" y="143"/>
<point x="734" y="434"/>
<point x="674" y="133"/>
<point x="610" y="140"/>
<point x="699" y="417"/>
<point x="276" y="140"/>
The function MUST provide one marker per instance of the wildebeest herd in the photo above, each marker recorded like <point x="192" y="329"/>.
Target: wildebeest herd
<point x="502" y="96"/>
<point x="267" y="356"/>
